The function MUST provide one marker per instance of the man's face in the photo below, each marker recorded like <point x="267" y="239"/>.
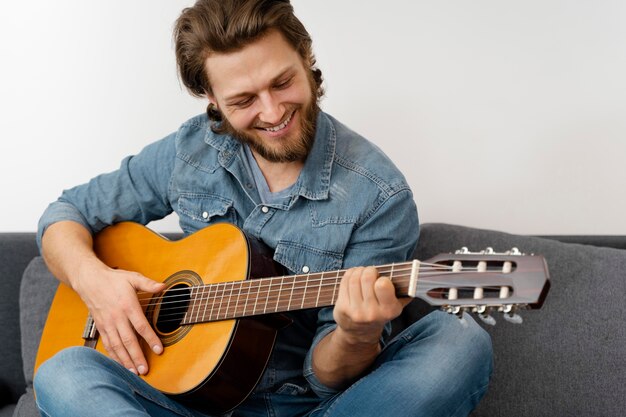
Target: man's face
<point x="267" y="98"/>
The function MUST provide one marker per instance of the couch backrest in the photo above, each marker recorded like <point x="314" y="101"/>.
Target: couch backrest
<point x="567" y="358"/>
<point x="16" y="251"/>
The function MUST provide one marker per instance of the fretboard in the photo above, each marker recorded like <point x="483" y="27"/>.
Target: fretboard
<point x="230" y="300"/>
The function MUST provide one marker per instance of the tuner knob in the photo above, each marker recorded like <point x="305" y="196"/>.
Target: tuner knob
<point x="487" y="319"/>
<point x="513" y="318"/>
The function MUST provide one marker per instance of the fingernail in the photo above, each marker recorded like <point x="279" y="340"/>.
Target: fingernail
<point x="141" y="369"/>
<point x="133" y="370"/>
<point x="157" y="349"/>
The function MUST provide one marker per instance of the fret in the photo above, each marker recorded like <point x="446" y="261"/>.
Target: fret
<point x="185" y="317"/>
<point x="230" y="297"/>
<point x="209" y="300"/>
<point x="203" y="301"/>
<point x="272" y="283"/>
<point x="245" y="306"/>
<point x="197" y="301"/>
<point x="304" y="292"/>
<point x="280" y="290"/>
<point x="256" y="299"/>
<point x="293" y="285"/>
<point x="319" y="290"/>
<point x="240" y="285"/>
<point x="268" y="289"/>
<point x="218" y="297"/>
<point x="193" y="302"/>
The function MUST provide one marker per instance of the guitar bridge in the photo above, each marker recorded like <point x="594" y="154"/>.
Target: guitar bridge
<point x="90" y="333"/>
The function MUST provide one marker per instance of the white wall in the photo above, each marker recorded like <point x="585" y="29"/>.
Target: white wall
<point x="504" y="115"/>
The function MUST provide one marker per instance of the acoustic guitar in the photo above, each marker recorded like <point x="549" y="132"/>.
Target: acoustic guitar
<point x="220" y="312"/>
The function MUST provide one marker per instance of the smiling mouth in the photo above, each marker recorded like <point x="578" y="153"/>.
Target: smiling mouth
<point x="280" y="126"/>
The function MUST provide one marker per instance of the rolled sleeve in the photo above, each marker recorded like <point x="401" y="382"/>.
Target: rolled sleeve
<point x="325" y="317"/>
<point x="56" y="212"/>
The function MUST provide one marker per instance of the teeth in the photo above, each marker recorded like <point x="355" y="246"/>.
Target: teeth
<point x="280" y="126"/>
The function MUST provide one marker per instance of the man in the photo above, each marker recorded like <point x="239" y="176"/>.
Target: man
<point x="267" y="159"/>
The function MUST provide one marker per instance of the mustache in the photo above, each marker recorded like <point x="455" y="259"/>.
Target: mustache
<point x="288" y="113"/>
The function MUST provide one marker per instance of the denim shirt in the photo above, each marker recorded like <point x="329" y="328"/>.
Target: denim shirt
<point x="350" y="206"/>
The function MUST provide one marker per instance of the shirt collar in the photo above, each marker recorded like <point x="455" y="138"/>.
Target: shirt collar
<point x="314" y="180"/>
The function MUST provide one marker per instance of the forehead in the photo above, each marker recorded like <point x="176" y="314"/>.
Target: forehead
<point x="253" y="67"/>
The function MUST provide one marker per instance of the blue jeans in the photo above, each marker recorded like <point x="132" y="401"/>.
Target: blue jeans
<point x="439" y="366"/>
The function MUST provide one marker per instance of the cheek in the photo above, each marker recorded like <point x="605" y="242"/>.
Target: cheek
<point x="300" y="95"/>
<point x="241" y="119"/>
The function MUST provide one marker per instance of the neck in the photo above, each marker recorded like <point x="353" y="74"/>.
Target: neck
<point x="278" y="175"/>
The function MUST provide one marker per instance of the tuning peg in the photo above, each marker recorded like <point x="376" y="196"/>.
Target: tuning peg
<point x="483" y="313"/>
<point x="513" y="318"/>
<point x="510" y="315"/>
<point x="487" y="319"/>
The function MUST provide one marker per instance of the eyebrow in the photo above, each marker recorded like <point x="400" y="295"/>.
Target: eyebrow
<point x="228" y="100"/>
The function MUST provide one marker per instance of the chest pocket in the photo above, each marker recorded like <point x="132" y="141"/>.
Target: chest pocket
<point x="300" y="258"/>
<point x="196" y="211"/>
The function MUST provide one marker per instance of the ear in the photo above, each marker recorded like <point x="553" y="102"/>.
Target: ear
<point x="212" y="99"/>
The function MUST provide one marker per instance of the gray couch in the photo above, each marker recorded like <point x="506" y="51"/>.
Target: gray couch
<point x="567" y="359"/>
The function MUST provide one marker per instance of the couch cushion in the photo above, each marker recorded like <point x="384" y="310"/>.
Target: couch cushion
<point x="567" y="358"/>
<point x="16" y="250"/>
<point x="36" y="294"/>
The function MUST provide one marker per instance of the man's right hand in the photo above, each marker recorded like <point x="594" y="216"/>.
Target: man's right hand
<point x="110" y="294"/>
<point x="111" y="297"/>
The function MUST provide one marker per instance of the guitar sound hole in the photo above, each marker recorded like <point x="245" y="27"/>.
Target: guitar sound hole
<point x="173" y="308"/>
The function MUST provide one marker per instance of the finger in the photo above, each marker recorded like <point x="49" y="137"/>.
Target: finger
<point x="142" y="283"/>
<point x="104" y="338"/>
<point x="367" y="281"/>
<point x="143" y="328"/>
<point x="132" y="350"/>
<point x="354" y="286"/>
<point x="344" y="287"/>
<point x="386" y="294"/>
<point x="116" y="348"/>
<point x="385" y="291"/>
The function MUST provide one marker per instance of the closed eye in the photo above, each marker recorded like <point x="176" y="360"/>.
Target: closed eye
<point x="281" y="85"/>
<point x="246" y="102"/>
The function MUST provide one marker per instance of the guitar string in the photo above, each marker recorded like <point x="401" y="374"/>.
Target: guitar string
<point x="228" y="294"/>
<point x="270" y="282"/>
<point x="422" y="271"/>
<point x="237" y="311"/>
<point x="267" y="284"/>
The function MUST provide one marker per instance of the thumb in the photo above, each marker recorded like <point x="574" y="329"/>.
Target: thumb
<point x="142" y="283"/>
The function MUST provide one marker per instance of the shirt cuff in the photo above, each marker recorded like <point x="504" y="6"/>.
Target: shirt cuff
<point x="56" y="212"/>
<point x="320" y="389"/>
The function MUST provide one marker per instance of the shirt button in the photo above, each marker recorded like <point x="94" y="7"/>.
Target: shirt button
<point x="265" y="209"/>
<point x="306" y="269"/>
<point x="205" y="215"/>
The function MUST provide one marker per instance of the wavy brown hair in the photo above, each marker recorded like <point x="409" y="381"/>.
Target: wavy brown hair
<point x="222" y="26"/>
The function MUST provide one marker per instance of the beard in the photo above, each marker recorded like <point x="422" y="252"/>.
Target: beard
<point x="290" y="148"/>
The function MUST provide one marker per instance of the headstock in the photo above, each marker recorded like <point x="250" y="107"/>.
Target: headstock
<point x="482" y="282"/>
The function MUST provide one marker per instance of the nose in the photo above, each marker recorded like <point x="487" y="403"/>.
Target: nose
<point x="272" y="111"/>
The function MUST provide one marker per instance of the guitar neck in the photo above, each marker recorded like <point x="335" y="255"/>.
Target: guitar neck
<point x="232" y="300"/>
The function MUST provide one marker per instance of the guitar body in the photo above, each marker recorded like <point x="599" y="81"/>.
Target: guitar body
<point x="209" y="366"/>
